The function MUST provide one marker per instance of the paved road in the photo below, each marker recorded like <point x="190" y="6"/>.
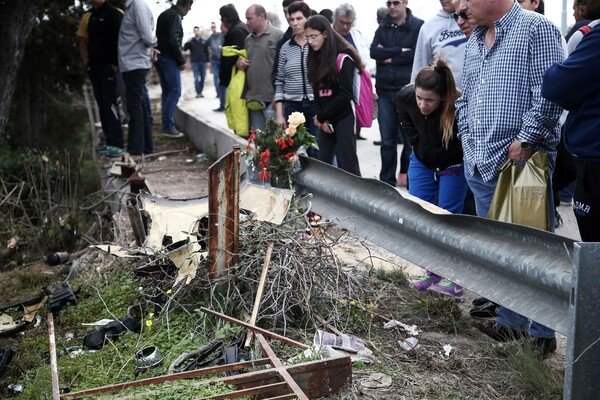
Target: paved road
<point x="368" y="153"/>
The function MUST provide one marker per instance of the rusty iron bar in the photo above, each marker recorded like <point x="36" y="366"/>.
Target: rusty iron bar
<point x="135" y="217"/>
<point x="255" y="328"/>
<point x="224" y="213"/>
<point x="53" y="361"/>
<point x="167" y="378"/>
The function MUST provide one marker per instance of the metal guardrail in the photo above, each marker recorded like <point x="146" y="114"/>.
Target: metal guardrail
<point x="524" y="269"/>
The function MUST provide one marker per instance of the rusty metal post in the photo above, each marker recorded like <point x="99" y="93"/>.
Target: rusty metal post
<point x="223" y="213"/>
<point x="135" y="217"/>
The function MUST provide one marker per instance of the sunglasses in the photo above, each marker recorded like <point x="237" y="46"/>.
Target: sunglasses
<point x="462" y="15"/>
<point x="395" y="3"/>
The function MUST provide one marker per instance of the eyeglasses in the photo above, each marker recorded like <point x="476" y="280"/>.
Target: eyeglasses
<point x="395" y="3"/>
<point x="462" y="15"/>
<point x="310" y="38"/>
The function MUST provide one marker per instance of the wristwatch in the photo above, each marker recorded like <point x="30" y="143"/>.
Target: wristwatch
<point x="526" y="146"/>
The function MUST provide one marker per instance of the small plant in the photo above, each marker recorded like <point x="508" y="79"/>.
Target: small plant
<point x="531" y="375"/>
<point x="396" y="276"/>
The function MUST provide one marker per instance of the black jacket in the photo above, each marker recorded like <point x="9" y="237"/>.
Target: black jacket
<point x="198" y="48"/>
<point x="236" y="35"/>
<point x="335" y="104"/>
<point x="103" y="33"/>
<point x="394" y="38"/>
<point x="169" y="35"/>
<point x="425" y="133"/>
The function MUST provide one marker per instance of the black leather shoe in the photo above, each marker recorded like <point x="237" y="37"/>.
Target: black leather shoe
<point x="377" y="142"/>
<point x="543" y="347"/>
<point x="486" y="310"/>
<point x="358" y="137"/>
<point x="498" y="332"/>
<point x="480" y="301"/>
<point x="220" y="109"/>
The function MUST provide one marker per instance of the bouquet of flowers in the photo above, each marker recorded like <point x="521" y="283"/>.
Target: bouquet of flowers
<point x="274" y="151"/>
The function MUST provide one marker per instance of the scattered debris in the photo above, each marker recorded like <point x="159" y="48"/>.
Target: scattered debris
<point x="447" y="350"/>
<point x="15" y="388"/>
<point x="148" y="358"/>
<point x="410" y="329"/>
<point x="61" y="296"/>
<point x="337" y="345"/>
<point x="409" y="344"/>
<point x="376" y="380"/>
<point x="58" y="258"/>
<point x="97" y="338"/>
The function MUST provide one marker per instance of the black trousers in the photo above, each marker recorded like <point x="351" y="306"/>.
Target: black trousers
<point x="139" y="140"/>
<point x="104" y="84"/>
<point x="342" y="143"/>
<point x="586" y="200"/>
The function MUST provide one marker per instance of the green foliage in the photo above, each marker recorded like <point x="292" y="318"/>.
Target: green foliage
<point x="532" y="375"/>
<point x="47" y="110"/>
<point x="41" y="206"/>
<point x="179" y="390"/>
<point x="396" y="276"/>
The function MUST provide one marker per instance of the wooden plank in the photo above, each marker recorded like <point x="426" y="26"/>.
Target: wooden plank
<point x="259" y="291"/>
<point x="53" y="361"/>
<point x="255" y="328"/>
<point x="249" y="392"/>
<point x="282" y="371"/>
<point x="167" y="378"/>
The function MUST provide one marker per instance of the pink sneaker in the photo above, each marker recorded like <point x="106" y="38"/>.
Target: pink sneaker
<point x="426" y="281"/>
<point x="448" y="288"/>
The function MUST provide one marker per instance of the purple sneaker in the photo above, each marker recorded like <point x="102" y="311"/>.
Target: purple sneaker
<point x="448" y="288"/>
<point x="426" y="281"/>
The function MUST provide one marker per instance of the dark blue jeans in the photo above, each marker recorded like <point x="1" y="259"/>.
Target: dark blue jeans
<point x="447" y="188"/>
<point x="199" y="70"/>
<point x="170" y="83"/>
<point x="309" y="109"/>
<point x="484" y="191"/>
<point x="139" y="140"/>
<point x="389" y="128"/>
<point x="104" y="84"/>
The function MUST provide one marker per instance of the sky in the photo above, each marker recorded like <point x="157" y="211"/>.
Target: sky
<point x="204" y="12"/>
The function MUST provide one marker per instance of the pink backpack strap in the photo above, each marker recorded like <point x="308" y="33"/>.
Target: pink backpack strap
<point x="340" y="60"/>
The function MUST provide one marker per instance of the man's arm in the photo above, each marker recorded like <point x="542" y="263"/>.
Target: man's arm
<point x="174" y="42"/>
<point x="144" y="22"/>
<point x="570" y="82"/>
<point x="539" y="122"/>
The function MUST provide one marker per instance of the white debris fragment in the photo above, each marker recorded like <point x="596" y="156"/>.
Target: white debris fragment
<point x="411" y="343"/>
<point x="447" y="350"/>
<point x="410" y="329"/>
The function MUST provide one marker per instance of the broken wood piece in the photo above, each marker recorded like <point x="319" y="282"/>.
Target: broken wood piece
<point x="255" y="328"/>
<point x="259" y="291"/>
<point x="327" y="324"/>
<point x="53" y="361"/>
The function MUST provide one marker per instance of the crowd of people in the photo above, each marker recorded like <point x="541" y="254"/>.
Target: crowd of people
<point x="480" y="83"/>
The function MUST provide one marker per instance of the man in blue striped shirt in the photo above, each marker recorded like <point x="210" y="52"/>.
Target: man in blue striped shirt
<point x="502" y="115"/>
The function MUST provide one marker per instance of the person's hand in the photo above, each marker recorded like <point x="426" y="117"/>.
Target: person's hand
<point x="387" y="61"/>
<point x="281" y="121"/>
<point x="154" y="54"/>
<point x="517" y="153"/>
<point x="242" y="64"/>
<point x="316" y="122"/>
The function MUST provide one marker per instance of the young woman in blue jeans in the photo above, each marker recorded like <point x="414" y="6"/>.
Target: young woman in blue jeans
<point x="435" y="174"/>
